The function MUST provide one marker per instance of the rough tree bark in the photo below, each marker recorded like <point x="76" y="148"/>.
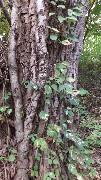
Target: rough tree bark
<point x="32" y="57"/>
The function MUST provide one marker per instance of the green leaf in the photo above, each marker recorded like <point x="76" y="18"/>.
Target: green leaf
<point x="1" y="158"/>
<point x="68" y="88"/>
<point x="54" y="29"/>
<point x="55" y="161"/>
<point x="36" y="166"/>
<point x="57" y="172"/>
<point x="1" y="117"/>
<point x="54" y="86"/>
<point x="53" y="37"/>
<point x="47" y="101"/>
<point x="44" y="115"/>
<point x="61" y="19"/>
<point x="73" y="38"/>
<point x="50" y="161"/>
<point x="77" y="13"/>
<point x="9" y="111"/>
<point x="66" y="42"/>
<point x="48" y="89"/>
<point x="14" y="151"/>
<point x="70" y="12"/>
<point x="7" y="95"/>
<point x="51" y="14"/>
<point x="11" y="158"/>
<point x="43" y="143"/>
<point x="73" y="101"/>
<point x="72" y="18"/>
<point x="83" y="92"/>
<point x="37" y="143"/>
<point x="51" y="175"/>
<point x="51" y="133"/>
<point x="3" y="108"/>
<point x="79" y="144"/>
<point x="36" y="173"/>
<point x="70" y="136"/>
<point x="79" y="177"/>
<point x="72" y="169"/>
<point x="34" y="86"/>
<point x="69" y="113"/>
<point x="38" y="156"/>
<point x="60" y="66"/>
<point x="61" y="6"/>
<point x="70" y="79"/>
<point x="57" y="73"/>
<point x="53" y="2"/>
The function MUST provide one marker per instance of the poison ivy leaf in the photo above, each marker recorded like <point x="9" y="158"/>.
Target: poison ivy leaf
<point x="53" y="2"/>
<point x="55" y="161"/>
<point x="47" y="101"/>
<point x="72" y="169"/>
<point x="61" y="19"/>
<point x="36" y="166"/>
<point x="34" y="173"/>
<point x="73" y="38"/>
<point x="57" y="73"/>
<point x="14" y="151"/>
<point x="50" y="161"/>
<point x="62" y="0"/>
<point x="11" y="158"/>
<point x="61" y="6"/>
<point x="70" y="79"/>
<point x="48" y="89"/>
<point x="57" y="172"/>
<point x="77" y="13"/>
<point x="37" y="143"/>
<point x="3" y="108"/>
<point x="70" y="12"/>
<point x="69" y="113"/>
<point x="83" y="92"/>
<point x="1" y="158"/>
<point x="54" y="29"/>
<point x="43" y="115"/>
<point x="51" y="14"/>
<point x="79" y="177"/>
<point x="7" y="95"/>
<point x="43" y="143"/>
<point x="1" y="117"/>
<point x="79" y="144"/>
<point x="66" y="42"/>
<point x="72" y="18"/>
<point x="34" y="86"/>
<point x="9" y="111"/>
<point x="60" y="66"/>
<point x="68" y="88"/>
<point x="73" y="101"/>
<point x="53" y="37"/>
<point x="51" y="175"/>
<point x="54" y="86"/>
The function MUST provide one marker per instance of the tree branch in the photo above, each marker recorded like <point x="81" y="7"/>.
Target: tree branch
<point x="87" y="19"/>
<point x="3" y="6"/>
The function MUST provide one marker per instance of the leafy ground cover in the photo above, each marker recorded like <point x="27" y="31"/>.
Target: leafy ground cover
<point x="90" y="122"/>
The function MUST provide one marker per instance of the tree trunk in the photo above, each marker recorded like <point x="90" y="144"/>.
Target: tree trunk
<point x="32" y="60"/>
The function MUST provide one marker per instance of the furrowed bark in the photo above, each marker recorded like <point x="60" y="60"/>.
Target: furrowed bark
<point x="28" y="53"/>
<point x="34" y="71"/>
<point x="13" y="71"/>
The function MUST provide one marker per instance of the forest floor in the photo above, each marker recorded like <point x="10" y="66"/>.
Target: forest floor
<point x="90" y="80"/>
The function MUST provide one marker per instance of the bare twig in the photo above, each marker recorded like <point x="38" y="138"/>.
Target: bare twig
<point x="3" y="6"/>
